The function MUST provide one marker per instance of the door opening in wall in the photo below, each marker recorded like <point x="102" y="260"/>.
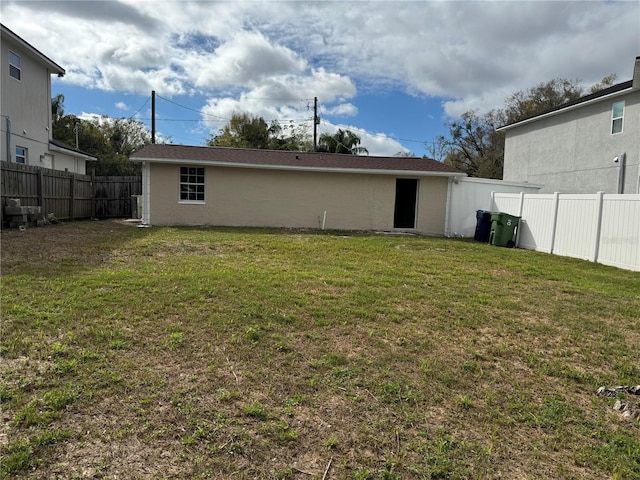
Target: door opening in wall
<point x="405" y="209"/>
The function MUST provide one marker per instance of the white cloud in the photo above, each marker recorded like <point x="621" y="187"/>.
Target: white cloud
<point x="246" y="59"/>
<point x="283" y="98"/>
<point x="455" y="50"/>
<point x="121" y="106"/>
<point x="341" y="110"/>
<point x="271" y="57"/>
<point x="378" y="145"/>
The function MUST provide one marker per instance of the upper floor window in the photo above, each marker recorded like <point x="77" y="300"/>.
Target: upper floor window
<point x="15" y="66"/>
<point x="617" y="114"/>
<point x="21" y="155"/>
<point x="192" y="184"/>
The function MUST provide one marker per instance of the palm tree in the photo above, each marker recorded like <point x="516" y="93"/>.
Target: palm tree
<point x="343" y="141"/>
<point x="57" y="106"/>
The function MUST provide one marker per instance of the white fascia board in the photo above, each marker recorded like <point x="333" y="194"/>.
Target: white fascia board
<point x="206" y="163"/>
<point x="566" y="109"/>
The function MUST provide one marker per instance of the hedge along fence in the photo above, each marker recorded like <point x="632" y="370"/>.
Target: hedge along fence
<point x="69" y="196"/>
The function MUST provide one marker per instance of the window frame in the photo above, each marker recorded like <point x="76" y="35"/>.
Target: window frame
<point x="24" y="156"/>
<point x="13" y="67"/>
<point x="619" y="118"/>
<point x="191" y="185"/>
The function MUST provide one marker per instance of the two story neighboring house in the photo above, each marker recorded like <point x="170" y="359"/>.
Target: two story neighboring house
<point x="588" y="145"/>
<point x="25" y="108"/>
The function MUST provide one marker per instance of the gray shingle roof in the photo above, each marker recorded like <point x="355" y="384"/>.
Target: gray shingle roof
<point x="282" y="159"/>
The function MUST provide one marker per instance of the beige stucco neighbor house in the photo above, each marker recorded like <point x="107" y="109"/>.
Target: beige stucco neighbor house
<point x="25" y="108"/>
<point x="185" y="185"/>
<point x="591" y="144"/>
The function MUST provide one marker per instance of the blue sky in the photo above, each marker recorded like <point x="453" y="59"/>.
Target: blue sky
<point x="394" y="72"/>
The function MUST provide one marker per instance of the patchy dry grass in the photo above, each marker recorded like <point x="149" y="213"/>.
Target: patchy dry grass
<point x="219" y="353"/>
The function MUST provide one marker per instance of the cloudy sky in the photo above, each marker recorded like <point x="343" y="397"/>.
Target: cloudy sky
<point x="392" y="71"/>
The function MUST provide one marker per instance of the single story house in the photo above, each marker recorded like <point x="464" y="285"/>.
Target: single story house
<point x="187" y="185"/>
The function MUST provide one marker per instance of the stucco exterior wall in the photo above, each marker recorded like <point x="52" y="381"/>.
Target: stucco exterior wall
<point x="26" y="111"/>
<point x="573" y="151"/>
<point x="27" y="102"/>
<point x="62" y="161"/>
<point x="280" y="198"/>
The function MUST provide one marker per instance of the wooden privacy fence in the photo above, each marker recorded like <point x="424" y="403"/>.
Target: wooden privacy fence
<point x="603" y="228"/>
<point x="68" y="196"/>
<point x="113" y="196"/>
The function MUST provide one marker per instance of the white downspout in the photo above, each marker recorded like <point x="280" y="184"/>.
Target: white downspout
<point x="622" y="165"/>
<point x="146" y="193"/>
<point x="9" y="156"/>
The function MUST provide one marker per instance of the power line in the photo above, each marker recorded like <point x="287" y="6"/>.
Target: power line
<point x="138" y="111"/>
<point x="192" y="109"/>
<point x="297" y="122"/>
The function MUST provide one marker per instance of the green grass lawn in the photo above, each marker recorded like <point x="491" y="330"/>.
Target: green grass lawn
<point x="233" y="353"/>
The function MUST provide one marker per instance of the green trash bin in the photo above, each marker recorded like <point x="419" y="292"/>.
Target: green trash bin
<point x="504" y="228"/>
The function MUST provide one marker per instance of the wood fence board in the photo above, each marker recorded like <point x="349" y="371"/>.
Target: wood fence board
<point x="68" y="196"/>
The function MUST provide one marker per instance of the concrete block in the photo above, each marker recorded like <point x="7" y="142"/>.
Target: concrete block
<point x="16" y="210"/>
<point x="33" y="210"/>
<point x="13" y="202"/>
<point x="18" y="218"/>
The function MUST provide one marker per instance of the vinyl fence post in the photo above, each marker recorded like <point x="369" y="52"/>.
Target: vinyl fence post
<point x="520" y="210"/>
<point x="554" y="226"/>
<point x="596" y="249"/>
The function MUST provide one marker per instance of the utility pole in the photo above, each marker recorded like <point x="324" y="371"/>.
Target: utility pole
<point x="153" y="116"/>
<point x="316" y="122"/>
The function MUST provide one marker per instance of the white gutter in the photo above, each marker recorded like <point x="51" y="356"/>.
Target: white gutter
<point x="369" y="171"/>
<point x="566" y="109"/>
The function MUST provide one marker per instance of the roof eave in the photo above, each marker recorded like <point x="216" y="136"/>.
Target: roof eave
<point x="51" y="65"/>
<point x="370" y="171"/>
<point x="71" y="151"/>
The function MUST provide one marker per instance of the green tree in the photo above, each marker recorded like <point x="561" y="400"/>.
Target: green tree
<point x="606" y="82"/>
<point x="242" y="131"/>
<point x="290" y="137"/>
<point x="542" y="97"/>
<point x="111" y="140"/>
<point x="246" y="131"/>
<point x="473" y="144"/>
<point x="57" y="106"/>
<point x="343" y="141"/>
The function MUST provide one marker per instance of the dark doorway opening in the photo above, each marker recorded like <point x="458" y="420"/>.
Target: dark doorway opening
<point x="406" y="195"/>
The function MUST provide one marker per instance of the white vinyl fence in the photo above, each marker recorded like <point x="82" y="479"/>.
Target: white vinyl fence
<point x="602" y="228"/>
<point x="467" y="195"/>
